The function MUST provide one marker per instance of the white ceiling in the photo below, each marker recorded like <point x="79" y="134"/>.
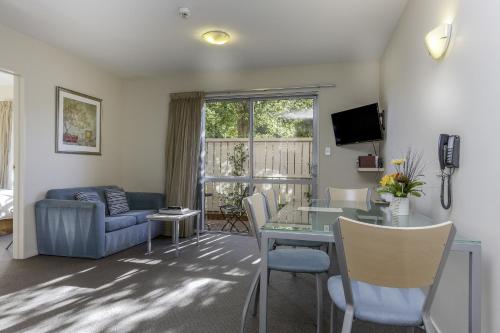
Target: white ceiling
<point x="148" y="38"/>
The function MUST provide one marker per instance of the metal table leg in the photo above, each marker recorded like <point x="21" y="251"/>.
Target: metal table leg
<point x="198" y="218"/>
<point x="176" y="228"/>
<point x="264" y="244"/>
<point x="149" y="238"/>
<point x="474" y="253"/>
<point x="173" y="232"/>
<point x="475" y="290"/>
<point x="319" y="302"/>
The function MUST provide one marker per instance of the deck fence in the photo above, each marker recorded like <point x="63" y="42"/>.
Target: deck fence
<point x="273" y="158"/>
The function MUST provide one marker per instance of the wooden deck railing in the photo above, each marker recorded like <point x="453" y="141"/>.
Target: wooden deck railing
<point x="273" y="158"/>
<point x="290" y="157"/>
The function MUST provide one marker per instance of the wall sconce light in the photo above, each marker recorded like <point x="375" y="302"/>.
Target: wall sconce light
<point x="437" y="41"/>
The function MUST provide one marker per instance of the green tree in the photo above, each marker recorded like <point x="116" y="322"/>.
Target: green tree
<point x="234" y="193"/>
<point x="282" y="118"/>
<point x="227" y="119"/>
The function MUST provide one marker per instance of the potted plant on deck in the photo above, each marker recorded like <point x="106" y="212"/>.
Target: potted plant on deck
<point x="406" y="181"/>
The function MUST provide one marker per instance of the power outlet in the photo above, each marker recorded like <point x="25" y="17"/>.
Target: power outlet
<point x="328" y="151"/>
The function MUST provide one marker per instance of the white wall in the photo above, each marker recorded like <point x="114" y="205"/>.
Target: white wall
<point x="457" y="95"/>
<point x="147" y="108"/>
<point x="42" y="68"/>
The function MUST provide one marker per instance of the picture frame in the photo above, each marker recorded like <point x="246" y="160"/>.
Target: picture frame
<point x="78" y="123"/>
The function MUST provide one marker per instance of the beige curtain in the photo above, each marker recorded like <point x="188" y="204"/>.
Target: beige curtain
<point x="5" y="135"/>
<point x="182" y="153"/>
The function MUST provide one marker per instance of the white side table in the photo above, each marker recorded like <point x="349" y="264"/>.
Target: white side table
<point x="175" y="232"/>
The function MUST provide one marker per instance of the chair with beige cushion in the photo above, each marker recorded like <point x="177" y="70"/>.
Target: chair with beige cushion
<point x="347" y="194"/>
<point x="302" y="260"/>
<point x="383" y="270"/>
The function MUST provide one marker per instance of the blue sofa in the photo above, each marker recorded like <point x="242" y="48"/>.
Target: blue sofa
<point x="71" y="228"/>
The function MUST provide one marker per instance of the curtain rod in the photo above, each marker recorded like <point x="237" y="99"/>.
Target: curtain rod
<point x="260" y="90"/>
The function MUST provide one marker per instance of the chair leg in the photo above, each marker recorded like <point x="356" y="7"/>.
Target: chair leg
<point x="294" y="274"/>
<point x="253" y="286"/>
<point x="348" y="317"/>
<point x="332" y="310"/>
<point x="256" y="299"/>
<point x="319" y="302"/>
<point x="429" y="327"/>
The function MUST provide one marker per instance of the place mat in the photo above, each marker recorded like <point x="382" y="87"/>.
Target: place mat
<point x="321" y="209"/>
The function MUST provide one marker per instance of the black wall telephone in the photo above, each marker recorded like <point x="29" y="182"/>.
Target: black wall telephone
<point x="449" y="156"/>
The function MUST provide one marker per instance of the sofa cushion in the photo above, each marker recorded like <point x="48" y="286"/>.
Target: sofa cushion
<point x="117" y="201"/>
<point x="140" y="215"/>
<point x="113" y="223"/>
<point x="87" y="196"/>
<point x="68" y="193"/>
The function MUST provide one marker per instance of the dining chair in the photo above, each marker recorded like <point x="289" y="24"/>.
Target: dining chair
<point x="383" y="270"/>
<point x="348" y="194"/>
<point x="271" y="201"/>
<point x="300" y="260"/>
<point x="272" y="209"/>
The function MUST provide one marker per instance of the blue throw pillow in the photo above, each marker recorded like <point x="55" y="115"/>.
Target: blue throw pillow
<point x="87" y="196"/>
<point x="117" y="201"/>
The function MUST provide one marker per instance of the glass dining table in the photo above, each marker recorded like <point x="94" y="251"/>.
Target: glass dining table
<point x="314" y="220"/>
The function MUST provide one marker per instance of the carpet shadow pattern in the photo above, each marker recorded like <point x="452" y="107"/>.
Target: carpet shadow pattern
<point x="201" y="291"/>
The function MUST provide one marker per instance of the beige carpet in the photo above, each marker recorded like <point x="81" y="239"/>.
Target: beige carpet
<point x="202" y="291"/>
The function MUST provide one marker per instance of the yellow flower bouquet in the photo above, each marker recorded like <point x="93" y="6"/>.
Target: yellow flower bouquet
<point x="406" y="181"/>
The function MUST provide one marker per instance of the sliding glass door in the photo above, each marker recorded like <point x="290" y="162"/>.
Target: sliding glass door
<point x="254" y="144"/>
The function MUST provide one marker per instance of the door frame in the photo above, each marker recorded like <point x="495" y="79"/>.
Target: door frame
<point x="250" y="179"/>
<point x="18" y="127"/>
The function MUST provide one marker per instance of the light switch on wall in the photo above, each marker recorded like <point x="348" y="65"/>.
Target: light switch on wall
<point x="328" y="151"/>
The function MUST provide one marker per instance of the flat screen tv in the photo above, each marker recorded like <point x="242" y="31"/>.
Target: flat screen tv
<point x="357" y="125"/>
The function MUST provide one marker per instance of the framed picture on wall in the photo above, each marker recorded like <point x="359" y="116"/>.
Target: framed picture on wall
<point x="78" y="123"/>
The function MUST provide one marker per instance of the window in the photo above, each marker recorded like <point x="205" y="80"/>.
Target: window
<point x="253" y="144"/>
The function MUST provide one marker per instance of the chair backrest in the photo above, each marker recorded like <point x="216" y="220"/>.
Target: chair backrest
<point x="348" y="194"/>
<point x="272" y="202"/>
<point x="390" y="256"/>
<point x="255" y="207"/>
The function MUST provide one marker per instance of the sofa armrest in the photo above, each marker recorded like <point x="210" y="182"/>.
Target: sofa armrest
<point x="70" y="228"/>
<point x="144" y="200"/>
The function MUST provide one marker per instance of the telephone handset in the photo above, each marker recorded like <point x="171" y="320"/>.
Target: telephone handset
<point x="449" y="157"/>
<point x="449" y="151"/>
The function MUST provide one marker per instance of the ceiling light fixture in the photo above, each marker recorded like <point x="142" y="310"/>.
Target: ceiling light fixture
<point x="438" y="40"/>
<point x="216" y="37"/>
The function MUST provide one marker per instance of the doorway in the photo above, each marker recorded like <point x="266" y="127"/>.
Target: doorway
<point x="7" y="178"/>
<point x="254" y="144"/>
